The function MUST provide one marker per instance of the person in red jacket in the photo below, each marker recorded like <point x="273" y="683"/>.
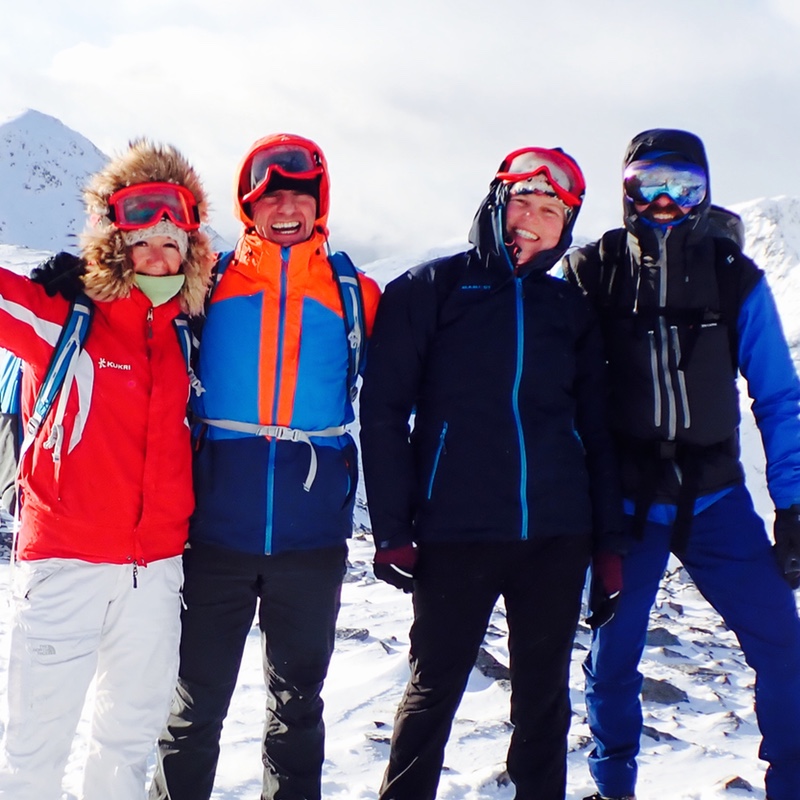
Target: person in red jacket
<point x="106" y="485"/>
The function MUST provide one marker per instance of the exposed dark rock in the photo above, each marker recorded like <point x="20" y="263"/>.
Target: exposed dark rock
<point x="661" y="637"/>
<point x="345" y="634"/>
<point x="662" y="692"/>
<point x="489" y="666"/>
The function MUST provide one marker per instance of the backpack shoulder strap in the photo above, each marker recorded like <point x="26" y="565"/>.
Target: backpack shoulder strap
<point x="59" y="375"/>
<point x="612" y="253"/>
<point x="190" y="346"/>
<point x="352" y="299"/>
<point x="223" y="262"/>
<point x="728" y="271"/>
<point x="197" y="322"/>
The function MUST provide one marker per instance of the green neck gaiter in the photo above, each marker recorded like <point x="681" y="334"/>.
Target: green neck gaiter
<point x="160" y="288"/>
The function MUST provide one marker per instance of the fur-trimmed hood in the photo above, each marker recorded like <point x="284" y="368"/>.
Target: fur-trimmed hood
<point x="109" y="271"/>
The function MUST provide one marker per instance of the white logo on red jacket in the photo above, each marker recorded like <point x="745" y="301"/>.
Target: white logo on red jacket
<point x="103" y="363"/>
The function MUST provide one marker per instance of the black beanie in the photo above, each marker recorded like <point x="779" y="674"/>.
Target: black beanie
<point x="308" y="186"/>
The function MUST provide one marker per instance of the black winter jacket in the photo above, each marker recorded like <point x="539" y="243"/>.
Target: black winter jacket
<point x="669" y="300"/>
<point x="505" y="378"/>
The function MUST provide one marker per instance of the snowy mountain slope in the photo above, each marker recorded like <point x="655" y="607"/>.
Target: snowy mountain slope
<point x="43" y="168"/>
<point x="43" y="165"/>
<point x="772" y="229"/>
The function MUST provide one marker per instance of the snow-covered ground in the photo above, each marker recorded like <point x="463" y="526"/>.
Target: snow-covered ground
<point x="700" y="733"/>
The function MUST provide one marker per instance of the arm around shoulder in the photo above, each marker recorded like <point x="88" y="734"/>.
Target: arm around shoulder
<point x="388" y="396"/>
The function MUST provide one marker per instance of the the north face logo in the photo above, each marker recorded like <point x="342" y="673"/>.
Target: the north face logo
<point x="104" y="363"/>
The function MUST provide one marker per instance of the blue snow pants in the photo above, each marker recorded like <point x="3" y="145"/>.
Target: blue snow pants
<point x="730" y="560"/>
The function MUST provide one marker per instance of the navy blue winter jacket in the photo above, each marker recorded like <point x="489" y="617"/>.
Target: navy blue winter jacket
<point x="504" y="375"/>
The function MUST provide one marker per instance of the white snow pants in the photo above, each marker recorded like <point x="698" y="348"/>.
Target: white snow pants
<point x="74" y="621"/>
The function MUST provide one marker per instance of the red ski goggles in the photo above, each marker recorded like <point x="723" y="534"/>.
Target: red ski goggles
<point x="684" y="183"/>
<point x="290" y="160"/>
<point x="562" y="173"/>
<point x="146" y="204"/>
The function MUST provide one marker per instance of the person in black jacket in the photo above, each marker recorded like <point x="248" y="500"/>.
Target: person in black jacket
<point x="683" y="312"/>
<point x="503" y="478"/>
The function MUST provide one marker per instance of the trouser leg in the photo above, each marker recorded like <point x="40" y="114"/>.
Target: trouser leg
<point x="455" y="590"/>
<point x="59" y="606"/>
<point x="613" y="680"/>
<point x="543" y="598"/>
<point x="220" y="593"/>
<point x="730" y="559"/>
<point x="136" y="671"/>
<point x="300" y="599"/>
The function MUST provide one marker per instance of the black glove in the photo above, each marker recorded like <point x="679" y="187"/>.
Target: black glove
<point x="395" y="566"/>
<point x="60" y="274"/>
<point x="605" y="588"/>
<point x="787" y="543"/>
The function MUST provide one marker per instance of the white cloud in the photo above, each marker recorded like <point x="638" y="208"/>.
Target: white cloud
<point x="415" y="103"/>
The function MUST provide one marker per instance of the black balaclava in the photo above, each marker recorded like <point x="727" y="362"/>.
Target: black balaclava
<point x="670" y="143"/>
<point x="682" y="247"/>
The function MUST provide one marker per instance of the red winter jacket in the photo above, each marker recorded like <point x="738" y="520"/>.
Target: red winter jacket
<point x="122" y="491"/>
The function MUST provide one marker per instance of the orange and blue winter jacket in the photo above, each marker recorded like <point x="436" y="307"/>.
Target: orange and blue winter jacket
<point x="274" y="352"/>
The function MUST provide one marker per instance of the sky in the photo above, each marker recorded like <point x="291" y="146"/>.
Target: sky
<point x="415" y="103"/>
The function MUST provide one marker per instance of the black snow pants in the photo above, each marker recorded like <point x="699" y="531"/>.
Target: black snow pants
<point x="456" y="588"/>
<point x="298" y="597"/>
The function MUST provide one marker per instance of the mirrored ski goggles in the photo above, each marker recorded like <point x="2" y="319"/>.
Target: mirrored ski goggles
<point x="562" y="173"/>
<point x="684" y="183"/>
<point x="146" y="204"/>
<point x="290" y="160"/>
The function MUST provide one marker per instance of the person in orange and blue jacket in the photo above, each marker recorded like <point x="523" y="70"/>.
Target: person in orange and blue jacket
<point x="273" y="511"/>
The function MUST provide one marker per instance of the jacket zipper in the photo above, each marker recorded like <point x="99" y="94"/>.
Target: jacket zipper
<point x="523" y="456"/>
<point x="148" y="333"/>
<point x="676" y="349"/>
<point x="285" y="253"/>
<point x="439" y="450"/>
<point x="659" y="350"/>
<point x="651" y="335"/>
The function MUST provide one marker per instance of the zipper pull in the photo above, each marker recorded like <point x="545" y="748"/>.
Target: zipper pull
<point x="150" y="322"/>
<point x="135" y="575"/>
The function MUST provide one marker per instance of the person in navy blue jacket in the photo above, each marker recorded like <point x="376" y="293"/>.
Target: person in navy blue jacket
<point x="505" y="477"/>
<point x="683" y="313"/>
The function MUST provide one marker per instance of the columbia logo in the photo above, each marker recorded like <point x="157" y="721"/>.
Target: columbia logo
<point x="104" y="363"/>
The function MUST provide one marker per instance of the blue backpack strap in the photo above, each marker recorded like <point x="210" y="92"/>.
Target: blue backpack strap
<point x="189" y="346"/>
<point x="353" y="307"/>
<point x="62" y="362"/>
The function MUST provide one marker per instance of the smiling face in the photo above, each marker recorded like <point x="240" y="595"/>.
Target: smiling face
<point x="157" y="255"/>
<point x="662" y="211"/>
<point x="285" y="216"/>
<point x="534" y="223"/>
